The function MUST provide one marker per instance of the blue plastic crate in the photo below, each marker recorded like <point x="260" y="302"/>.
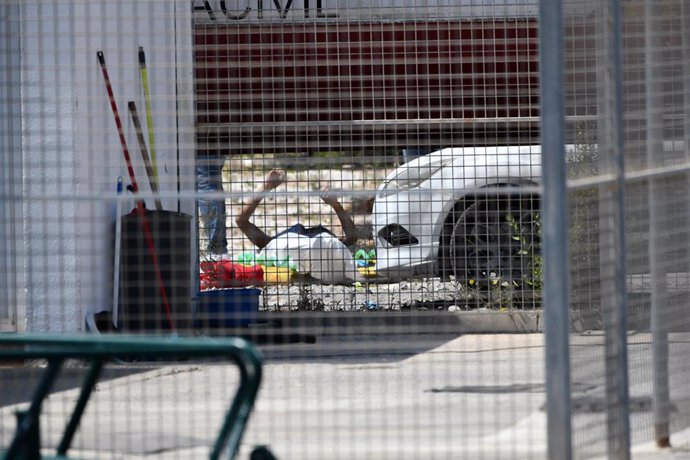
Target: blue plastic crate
<point x="228" y="308"/>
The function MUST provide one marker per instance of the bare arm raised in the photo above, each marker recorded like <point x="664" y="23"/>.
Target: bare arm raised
<point x="346" y="221"/>
<point x="257" y="236"/>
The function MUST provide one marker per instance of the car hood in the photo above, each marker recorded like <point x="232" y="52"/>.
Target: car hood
<point x="464" y="167"/>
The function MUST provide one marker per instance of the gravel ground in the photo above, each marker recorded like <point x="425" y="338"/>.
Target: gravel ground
<point x="417" y="294"/>
<point x="298" y="201"/>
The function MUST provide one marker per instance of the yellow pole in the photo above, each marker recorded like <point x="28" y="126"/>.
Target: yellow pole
<point x="149" y="117"/>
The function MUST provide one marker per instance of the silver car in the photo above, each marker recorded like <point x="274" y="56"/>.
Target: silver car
<point x="470" y="212"/>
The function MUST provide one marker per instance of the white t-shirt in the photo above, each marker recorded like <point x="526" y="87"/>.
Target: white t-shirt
<point x="323" y="256"/>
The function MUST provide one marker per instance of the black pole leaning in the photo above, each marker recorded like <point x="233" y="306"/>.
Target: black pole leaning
<point x="153" y="182"/>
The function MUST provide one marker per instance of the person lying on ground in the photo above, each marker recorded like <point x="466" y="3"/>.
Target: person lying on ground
<point x="316" y="250"/>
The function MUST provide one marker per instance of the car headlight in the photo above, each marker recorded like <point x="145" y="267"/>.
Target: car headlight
<point x="413" y="174"/>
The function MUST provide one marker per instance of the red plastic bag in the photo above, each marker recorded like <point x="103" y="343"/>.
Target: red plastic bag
<point x="225" y="274"/>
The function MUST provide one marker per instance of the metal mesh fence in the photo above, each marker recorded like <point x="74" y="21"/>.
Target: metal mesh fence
<point x="627" y="250"/>
<point x="351" y="186"/>
<point x="355" y="187"/>
<point x="405" y="134"/>
<point x="345" y="100"/>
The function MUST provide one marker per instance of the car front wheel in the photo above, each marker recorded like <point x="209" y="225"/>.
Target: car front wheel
<point x="496" y="241"/>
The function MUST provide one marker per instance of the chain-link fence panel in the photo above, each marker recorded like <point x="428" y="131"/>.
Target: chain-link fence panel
<point x="352" y="186"/>
<point x="625" y="64"/>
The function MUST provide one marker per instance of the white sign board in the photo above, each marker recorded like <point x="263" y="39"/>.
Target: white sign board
<point x="290" y="11"/>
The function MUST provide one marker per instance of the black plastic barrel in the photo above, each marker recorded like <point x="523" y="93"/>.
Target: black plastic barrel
<point x="142" y="308"/>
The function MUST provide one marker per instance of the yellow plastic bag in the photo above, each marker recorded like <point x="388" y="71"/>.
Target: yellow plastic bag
<point x="367" y="272"/>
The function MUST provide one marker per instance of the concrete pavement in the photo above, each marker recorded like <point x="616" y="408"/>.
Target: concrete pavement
<point x="367" y="396"/>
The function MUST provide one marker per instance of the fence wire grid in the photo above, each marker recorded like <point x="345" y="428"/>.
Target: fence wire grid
<point x="356" y="189"/>
<point x="638" y="140"/>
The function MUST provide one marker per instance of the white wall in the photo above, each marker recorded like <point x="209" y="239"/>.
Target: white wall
<point x="72" y="155"/>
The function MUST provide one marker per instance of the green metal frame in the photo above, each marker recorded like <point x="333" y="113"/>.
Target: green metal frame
<point x="100" y="349"/>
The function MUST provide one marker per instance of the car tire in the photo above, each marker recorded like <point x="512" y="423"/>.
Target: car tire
<point x="496" y="241"/>
<point x="444" y="266"/>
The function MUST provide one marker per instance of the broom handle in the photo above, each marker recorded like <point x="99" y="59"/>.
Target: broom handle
<point x="144" y="153"/>
<point x="141" y="211"/>
<point x="149" y="116"/>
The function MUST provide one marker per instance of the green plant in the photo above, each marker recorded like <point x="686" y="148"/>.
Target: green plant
<point x="501" y="293"/>
<point x="533" y="277"/>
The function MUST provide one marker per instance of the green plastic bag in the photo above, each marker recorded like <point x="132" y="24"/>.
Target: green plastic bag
<point x="246" y="258"/>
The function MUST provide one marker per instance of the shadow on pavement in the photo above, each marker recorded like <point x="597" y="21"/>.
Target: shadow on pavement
<point x="19" y="381"/>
